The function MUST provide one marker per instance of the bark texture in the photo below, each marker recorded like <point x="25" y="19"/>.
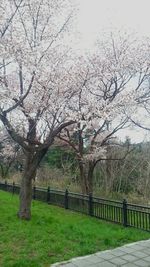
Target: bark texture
<point x="32" y="162"/>
<point x="86" y="177"/>
<point x="26" y="188"/>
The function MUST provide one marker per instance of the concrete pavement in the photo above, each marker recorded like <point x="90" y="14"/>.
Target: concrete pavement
<point x="131" y="255"/>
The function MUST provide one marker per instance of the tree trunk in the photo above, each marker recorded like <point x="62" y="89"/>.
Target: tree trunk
<point x="32" y="161"/>
<point x="26" y="188"/>
<point x="83" y="178"/>
<point x="109" y="177"/>
<point x="90" y="177"/>
<point x="86" y="177"/>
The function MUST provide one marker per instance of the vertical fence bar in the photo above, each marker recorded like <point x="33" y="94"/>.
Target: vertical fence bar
<point x="48" y="194"/>
<point x="90" y="204"/>
<point x="66" y="199"/>
<point x="124" y="213"/>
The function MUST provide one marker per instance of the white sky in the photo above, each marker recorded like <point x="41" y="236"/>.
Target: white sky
<point x="98" y="16"/>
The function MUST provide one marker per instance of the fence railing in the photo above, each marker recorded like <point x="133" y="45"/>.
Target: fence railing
<point x="124" y="213"/>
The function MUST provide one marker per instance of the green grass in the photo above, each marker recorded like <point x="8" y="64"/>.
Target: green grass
<point x="54" y="234"/>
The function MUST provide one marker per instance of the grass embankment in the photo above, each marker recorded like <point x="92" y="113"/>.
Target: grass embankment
<point x="54" y="234"/>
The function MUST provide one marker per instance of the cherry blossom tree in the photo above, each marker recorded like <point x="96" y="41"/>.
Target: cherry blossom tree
<point x="44" y="90"/>
<point x="8" y="13"/>
<point x="141" y="113"/>
<point x="35" y="86"/>
<point x="8" y="148"/>
<point x="109" y="80"/>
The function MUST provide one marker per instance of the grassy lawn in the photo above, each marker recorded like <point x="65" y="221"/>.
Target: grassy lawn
<point x="54" y="234"/>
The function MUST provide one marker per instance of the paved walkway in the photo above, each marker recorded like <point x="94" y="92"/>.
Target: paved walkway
<point x="131" y="255"/>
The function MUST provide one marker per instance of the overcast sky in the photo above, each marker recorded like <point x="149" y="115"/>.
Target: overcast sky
<point x="97" y="16"/>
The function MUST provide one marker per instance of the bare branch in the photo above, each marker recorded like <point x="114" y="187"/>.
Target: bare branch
<point x="10" y="20"/>
<point x="22" y="98"/>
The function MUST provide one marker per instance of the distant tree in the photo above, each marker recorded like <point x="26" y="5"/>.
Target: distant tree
<point x="8" y="153"/>
<point x="59" y="156"/>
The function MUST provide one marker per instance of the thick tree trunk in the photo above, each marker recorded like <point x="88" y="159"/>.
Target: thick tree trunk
<point x="25" y="198"/>
<point x="26" y="188"/>
<point x="30" y="169"/>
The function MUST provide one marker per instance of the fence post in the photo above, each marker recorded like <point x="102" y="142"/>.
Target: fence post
<point x="90" y="204"/>
<point x="66" y="199"/>
<point x="13" y="189"/>
<point x="34" y="192"/>
<point x="125" y="213"/>
<point x="6" y="185"/>
<point x="48" y="194"/>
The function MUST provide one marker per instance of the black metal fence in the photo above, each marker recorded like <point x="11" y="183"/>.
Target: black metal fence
<point x="124" y="213"/>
